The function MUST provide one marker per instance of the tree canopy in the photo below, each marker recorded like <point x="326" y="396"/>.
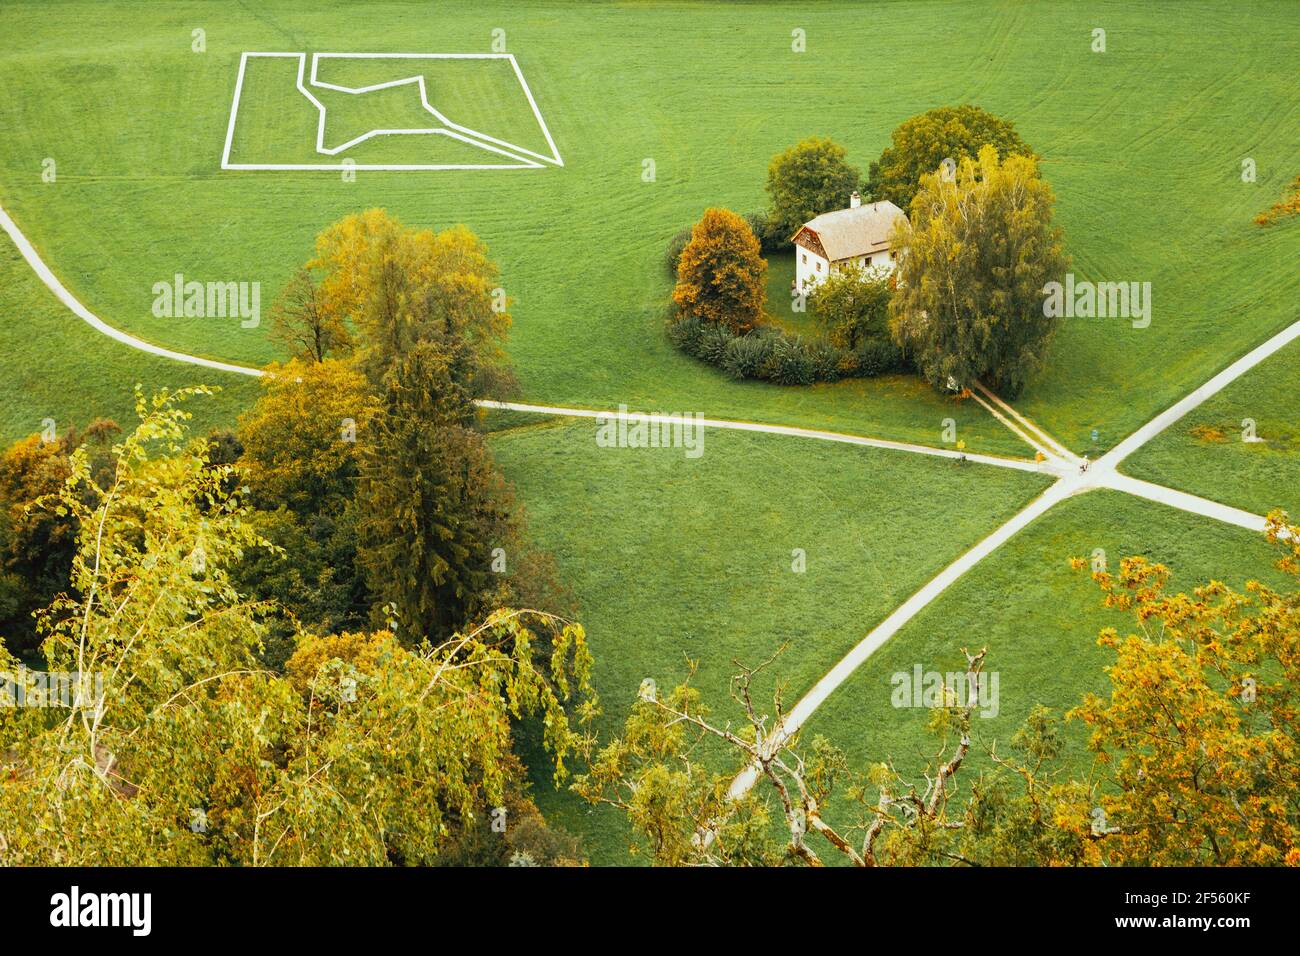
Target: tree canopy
<point x="301" y="436"/>
<point x="973" y="261"/>
<point x="397" y="286"/>
<point x="852" y="305"/>
<point x="722" y="276"/>
<point x="919" y="145"/>
<point x="304" y="324"/>
<point x="809" y="178"/>
<point x="183" y="748"/>
<point x="431" y="505"/>
<point x="36" y="544"/>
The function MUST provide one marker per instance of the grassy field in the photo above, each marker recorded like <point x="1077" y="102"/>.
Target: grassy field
<point x="1142" y="143"/>
<point x="673" y="558"/>
<point x="780" y="275"/>
<point x="670" y="557"/>
<point x="1205" y="452"/>
<point x="56" y="366"/>
<point x="1039" y="619"/>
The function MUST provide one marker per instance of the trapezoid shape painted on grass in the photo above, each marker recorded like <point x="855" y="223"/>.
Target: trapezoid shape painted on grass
<point x="385" y="111"/>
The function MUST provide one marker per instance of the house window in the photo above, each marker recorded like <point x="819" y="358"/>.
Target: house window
<point x="819" y="267"/>
<point x="867" y="261"/>
<point x="805" y="258"/>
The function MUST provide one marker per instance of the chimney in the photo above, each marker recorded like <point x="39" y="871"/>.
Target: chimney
<point x="855" y="200"/>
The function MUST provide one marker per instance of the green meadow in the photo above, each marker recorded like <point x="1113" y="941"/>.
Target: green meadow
<point x="57" y="367"/>
<point x="673" y="558"/>
<point x="1210" y="453"/>
<point x="1039" y="619"/>
<point x="1143" y="144"/>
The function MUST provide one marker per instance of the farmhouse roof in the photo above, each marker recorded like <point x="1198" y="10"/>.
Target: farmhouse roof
<point x="857" y="231"/>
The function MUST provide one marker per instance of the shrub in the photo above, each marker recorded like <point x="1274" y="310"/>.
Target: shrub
<point x="745" y="355"/>
<point x="789" y="362"/>
<point x="1289" y="206"/>
<point x="673" y="254"/>
<point x="825" y="360"/>
<point x="878" y="356"/>
<point x="712" y="342"/>
<point x="771" y="355"/>
<point x="685" y="332"/>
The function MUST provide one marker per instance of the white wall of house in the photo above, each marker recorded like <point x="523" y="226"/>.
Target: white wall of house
<point x="809" y="268"/>
<point x="878" y="262"/>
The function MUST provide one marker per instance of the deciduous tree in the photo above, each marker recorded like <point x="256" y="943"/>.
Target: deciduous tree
<point x="303" y="323"/>
<point x="190" y="751"/>
<point x="36" y="544"/>
<point x="852" y="305"/>
<point x="919" y="145"/>
<point x="973" y="262"/>
<point x="806" y="180"/>
<point x="398" y="285"/>
<point x="301" y="436"/>
<point x="722" y="276"/>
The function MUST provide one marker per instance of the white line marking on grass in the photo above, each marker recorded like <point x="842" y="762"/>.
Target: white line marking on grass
<point x="554" y="158"/>
<point x="448" y="128"/>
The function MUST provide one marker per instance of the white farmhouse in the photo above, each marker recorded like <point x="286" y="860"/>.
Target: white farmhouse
<point x="858" y="235"/>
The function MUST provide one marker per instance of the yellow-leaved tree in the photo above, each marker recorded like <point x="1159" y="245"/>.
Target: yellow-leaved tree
<point x="158" y="736"/>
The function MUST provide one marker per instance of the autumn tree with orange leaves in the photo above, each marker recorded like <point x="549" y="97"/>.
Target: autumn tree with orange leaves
<point x="722" y="276"/>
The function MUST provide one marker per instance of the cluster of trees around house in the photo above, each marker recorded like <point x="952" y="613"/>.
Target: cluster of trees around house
<point x="965" y="303"/>
<point x="299" y="624"/>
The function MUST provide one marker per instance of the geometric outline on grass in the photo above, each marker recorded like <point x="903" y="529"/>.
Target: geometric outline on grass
<point x="519" y="154"/>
